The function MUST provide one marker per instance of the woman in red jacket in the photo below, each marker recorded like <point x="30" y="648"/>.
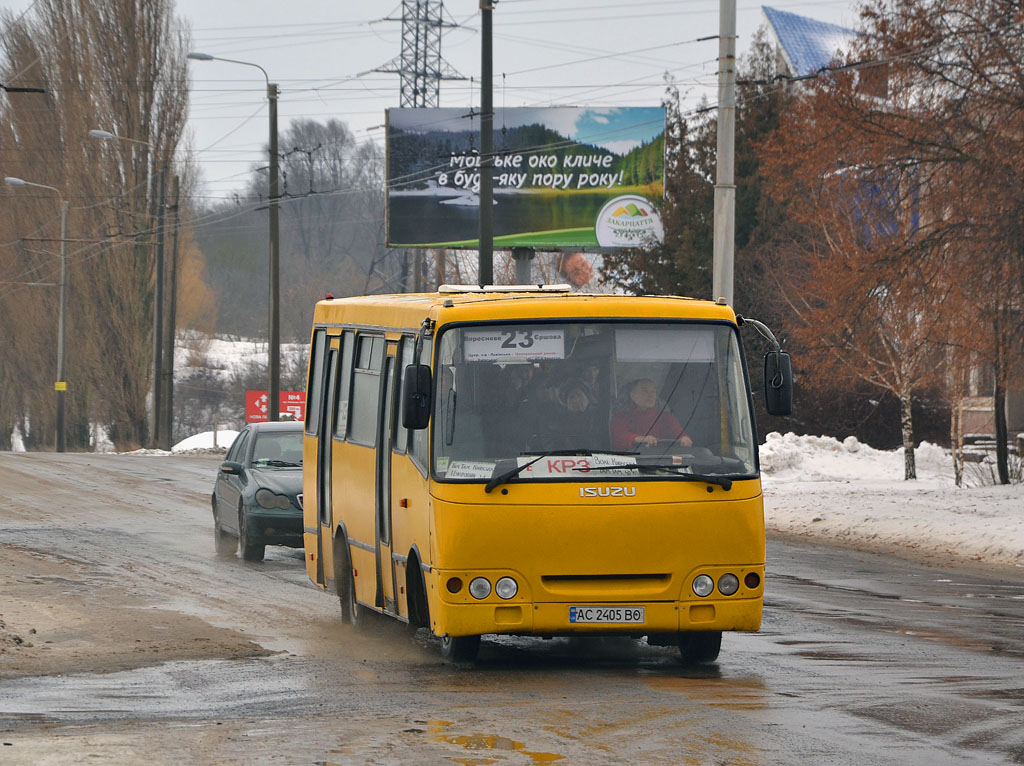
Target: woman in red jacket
<point x="643" y="423"/>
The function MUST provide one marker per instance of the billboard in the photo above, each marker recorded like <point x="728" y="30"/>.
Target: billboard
<point x="563" y="177"/>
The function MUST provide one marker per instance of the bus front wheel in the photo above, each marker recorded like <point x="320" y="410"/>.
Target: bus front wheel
<point x="700" y="647"/>
<point x="346" y="585"/>
<point x="460" y="648"/>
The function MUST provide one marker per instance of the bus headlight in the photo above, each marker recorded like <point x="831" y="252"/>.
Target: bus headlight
<point x="480" y="587"/>
<point x="728" y="584"/>
<point x="703" y="585"/>
<point x="506" y="587"/>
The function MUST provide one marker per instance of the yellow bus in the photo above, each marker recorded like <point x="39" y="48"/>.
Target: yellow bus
<point x="537" y="462"/>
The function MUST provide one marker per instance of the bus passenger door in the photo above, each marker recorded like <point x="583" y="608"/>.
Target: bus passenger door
<point x="385" y="563"/>
<point x="323" y="457"/>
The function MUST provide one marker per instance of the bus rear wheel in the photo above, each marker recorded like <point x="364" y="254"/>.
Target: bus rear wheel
<point x="460" y="648"/>
<point x="700" y="647"/>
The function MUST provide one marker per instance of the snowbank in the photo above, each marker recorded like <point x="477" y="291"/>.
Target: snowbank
<point x="851" y="494"/>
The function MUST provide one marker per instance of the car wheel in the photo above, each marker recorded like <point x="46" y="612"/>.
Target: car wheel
<point x="701" y="647"/>
<point x="250" y="551"/>
<point x="225" y="543"/>
<point x="345" y="583"/>
<point x="460" y="648"/>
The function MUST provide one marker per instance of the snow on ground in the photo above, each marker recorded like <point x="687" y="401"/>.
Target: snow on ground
<point x="851" y="494"/>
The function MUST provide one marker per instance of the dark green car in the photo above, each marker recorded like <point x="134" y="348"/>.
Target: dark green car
<point x="257" y="499"/>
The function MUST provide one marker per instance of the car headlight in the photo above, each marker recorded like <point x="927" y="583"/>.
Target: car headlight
<point x="270" y="500"/>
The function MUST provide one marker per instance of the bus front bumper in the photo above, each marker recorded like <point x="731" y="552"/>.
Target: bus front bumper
<point x="556" y="619"/>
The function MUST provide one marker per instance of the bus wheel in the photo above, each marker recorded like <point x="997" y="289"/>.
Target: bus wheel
<point x="419" y="612"/>
<point x="346" y="585"/>
<point x="460" y="648"/>
<point x="250" y="551"/>
<point x="700" y="647"/>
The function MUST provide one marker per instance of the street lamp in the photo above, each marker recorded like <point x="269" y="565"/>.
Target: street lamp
<point x="60" y="385"/>
<point x="158" y="291"/>
<point x="274" y="351"/>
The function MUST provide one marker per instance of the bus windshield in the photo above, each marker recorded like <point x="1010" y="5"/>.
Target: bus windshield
<point x="608" y="398"/>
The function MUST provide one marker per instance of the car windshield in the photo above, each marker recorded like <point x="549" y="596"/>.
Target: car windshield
<point x="277" y="449"/>
<point x="594" y="399"/>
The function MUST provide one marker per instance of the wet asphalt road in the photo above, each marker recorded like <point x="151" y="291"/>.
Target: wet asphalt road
<point x="861" y="659"/>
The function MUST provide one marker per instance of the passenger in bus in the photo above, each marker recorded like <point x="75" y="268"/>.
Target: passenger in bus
<point x="643" y="423"/>
<point x="504" y="420"/>
<point x="569" y="420"/>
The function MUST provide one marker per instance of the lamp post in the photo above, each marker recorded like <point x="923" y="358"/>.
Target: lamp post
<point x="274" y="350"/>
<point x="60" y="385"/>
<point x="158" y="290"/>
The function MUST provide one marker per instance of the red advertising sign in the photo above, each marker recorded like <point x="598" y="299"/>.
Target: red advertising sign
<point x="257" y="407"/>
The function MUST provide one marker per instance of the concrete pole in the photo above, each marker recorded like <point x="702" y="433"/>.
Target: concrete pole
<point x="523" y="257"/>
<point x="725" y="186"/>
<point x="275" y="266"/>
<point x="62" y="385"/>
<point x="486" y="264"/>
<point x="172" y="320"/>
<point x="158" y="312"/>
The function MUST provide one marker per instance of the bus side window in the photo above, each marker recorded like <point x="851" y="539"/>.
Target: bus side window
<point x="344" y="386"/>
<point x="401" y="439"/>
<point x="419" y="443"/>
<point x="313" y="386"/>
<point x="366" y="390"/>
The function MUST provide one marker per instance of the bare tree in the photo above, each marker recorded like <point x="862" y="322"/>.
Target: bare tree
<point x="116" y="65"/>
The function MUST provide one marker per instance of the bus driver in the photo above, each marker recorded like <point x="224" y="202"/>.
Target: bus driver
<point x="643" y="423"/>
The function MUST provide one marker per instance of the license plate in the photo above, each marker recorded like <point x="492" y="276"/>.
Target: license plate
<point x="622" y="614"/>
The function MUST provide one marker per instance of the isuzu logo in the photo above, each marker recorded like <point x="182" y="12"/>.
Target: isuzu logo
<point x="607" y="491"/>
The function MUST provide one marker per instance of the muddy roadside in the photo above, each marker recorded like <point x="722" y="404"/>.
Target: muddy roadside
<point x="61" y="616"/>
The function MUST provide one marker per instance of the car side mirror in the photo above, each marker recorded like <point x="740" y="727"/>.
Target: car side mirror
<point x="231" y="467"/>
<point x="416" y="390"/>
<point x="778" y="383"/>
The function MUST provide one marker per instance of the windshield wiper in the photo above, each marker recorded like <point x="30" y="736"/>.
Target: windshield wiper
<point x="280" y="463"/>
<point x="513" y="472"/>
<point x="674" y="469"/>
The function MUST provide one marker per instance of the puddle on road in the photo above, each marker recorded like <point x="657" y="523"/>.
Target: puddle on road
<point x="485" y="742"/>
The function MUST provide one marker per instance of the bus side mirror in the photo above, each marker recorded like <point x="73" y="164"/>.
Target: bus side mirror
<point x="778" y="383"/>
<point x="416" y="396"/>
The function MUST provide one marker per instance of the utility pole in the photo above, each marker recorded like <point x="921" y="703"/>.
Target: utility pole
<point x="275" y="265"/>
<point x="725" y="186"/>
<point x="61" y="385"/>
<point x="421" y="69"/>
<point x="158" y="311"/>
<point x="172" y="318"/>
<point x="486" y="264"/>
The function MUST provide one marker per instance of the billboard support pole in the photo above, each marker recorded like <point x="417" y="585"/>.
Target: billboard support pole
<point x="524" y="262"/>
<point x="486" y="265"/>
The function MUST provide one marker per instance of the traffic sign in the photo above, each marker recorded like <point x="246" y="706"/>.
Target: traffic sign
<point x="257" y="406"/>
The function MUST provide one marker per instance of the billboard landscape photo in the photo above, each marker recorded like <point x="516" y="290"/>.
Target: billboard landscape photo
<point x="563" y="177"/>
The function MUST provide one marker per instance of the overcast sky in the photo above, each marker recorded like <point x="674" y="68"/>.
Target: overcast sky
<point x="599" y="53"/>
